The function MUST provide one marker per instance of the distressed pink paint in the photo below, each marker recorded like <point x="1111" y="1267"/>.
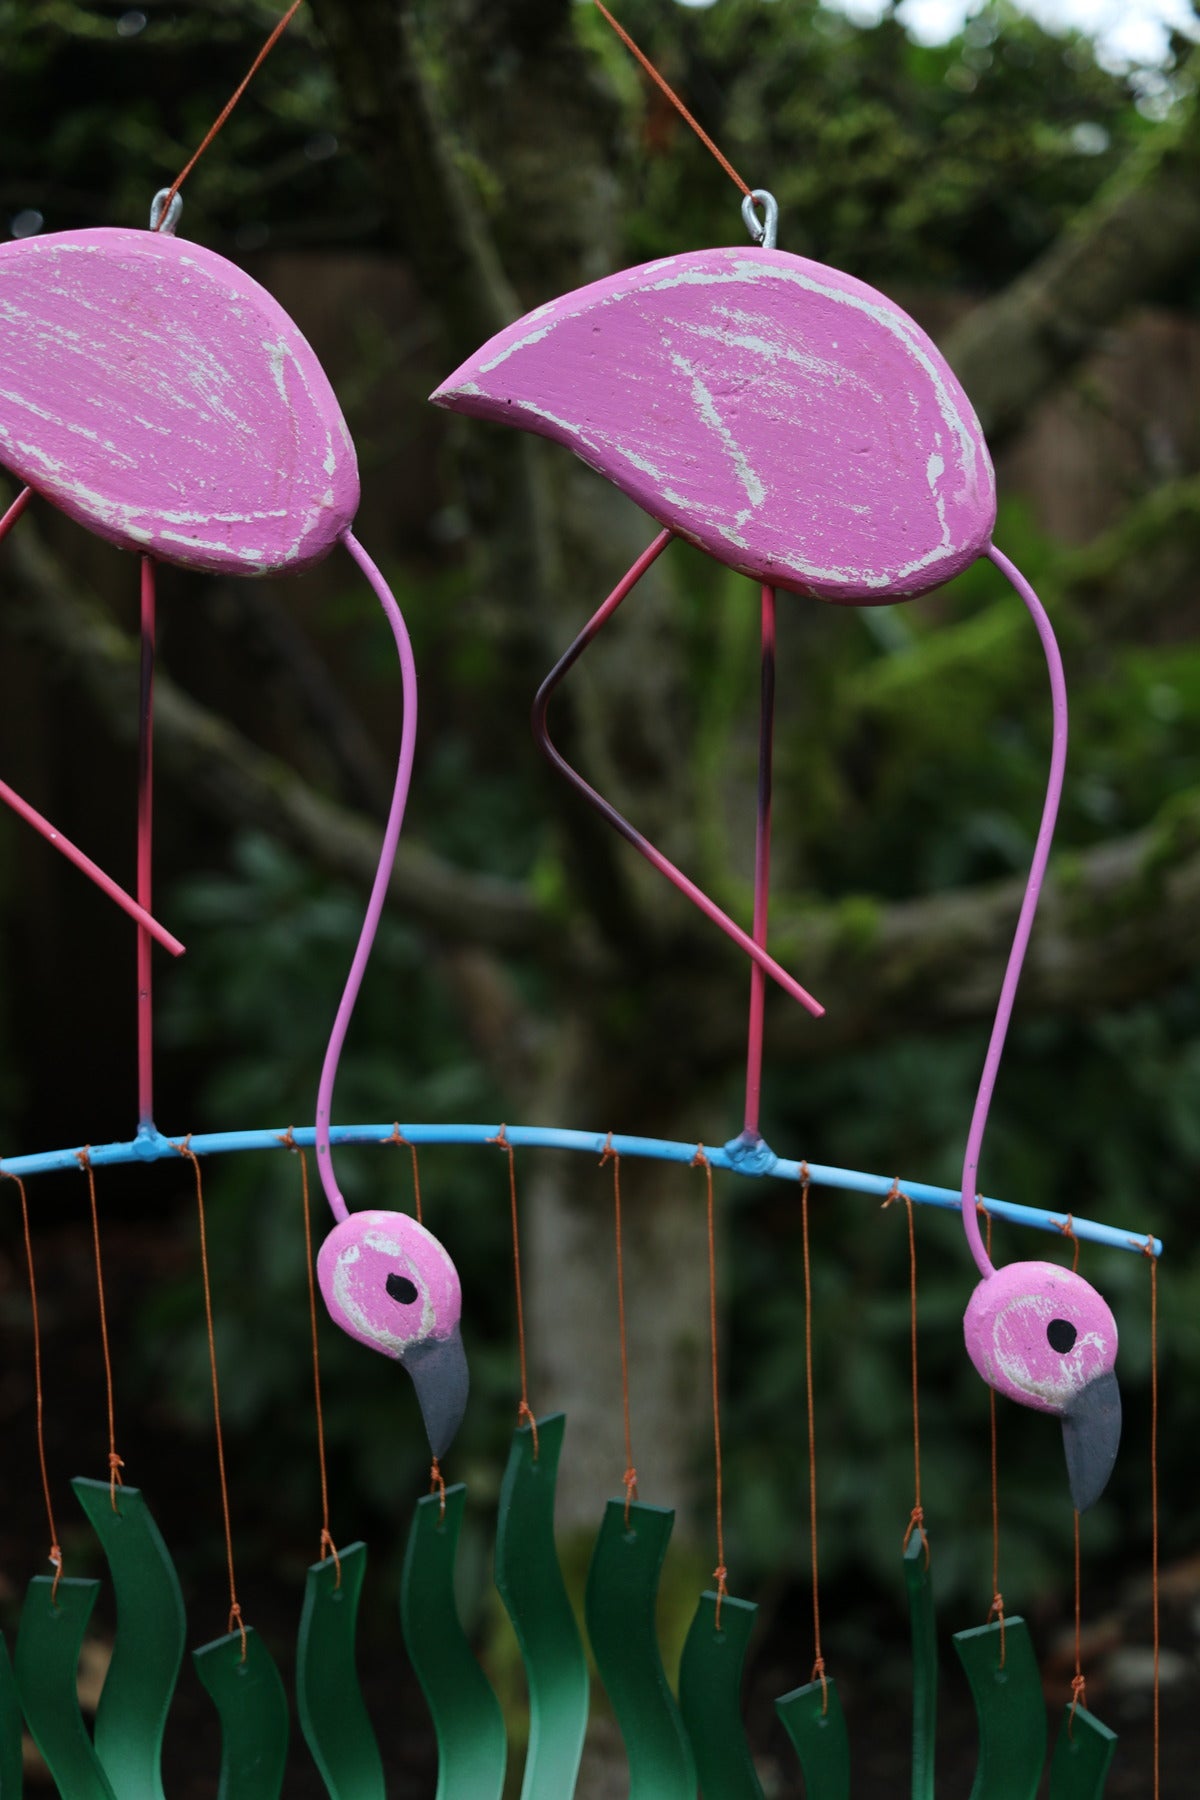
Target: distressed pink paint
<point x="790" y="420"/>
<point x="353" y="1266"/>
<point x="1006" y="1326"/>
<point x="163" y="399"/>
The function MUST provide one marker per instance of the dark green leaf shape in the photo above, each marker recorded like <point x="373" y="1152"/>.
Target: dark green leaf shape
<point x="925" y="1667"/>
<point x="813" y="1719"/>
<point x="1082" y="1757"/>
<point x="10" y="1729"/>
<point x="151" y="1627"/>
<point x="333" y="1718"/>
<point x="248" y="1694"/>
<point x="622" y="1592"/>
<point x="1010" y="1708"/>
<point x="46" y="1667"/>
<point x="472" y="1749"/>
<point x="535" y="1597"/>
<point x="710" y="1698"/>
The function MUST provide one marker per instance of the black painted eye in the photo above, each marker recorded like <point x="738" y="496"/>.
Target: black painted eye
<point x="1060" y="1333"/>
<point x="402" y="1289"/>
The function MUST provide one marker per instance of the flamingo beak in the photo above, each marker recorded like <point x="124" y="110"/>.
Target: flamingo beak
<point x="1091" y="1433"/>
<point x="438" y="1367"/>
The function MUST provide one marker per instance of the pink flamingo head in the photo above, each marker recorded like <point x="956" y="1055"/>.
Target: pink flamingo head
<point x="1043" y="1336"/>
<point x="390" y="1284"/>
<point x="164" y="400"/>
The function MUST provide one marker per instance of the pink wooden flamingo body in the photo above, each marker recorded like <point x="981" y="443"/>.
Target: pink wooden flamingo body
<point x="800" y="428"/>
<point x="164" y="400"/>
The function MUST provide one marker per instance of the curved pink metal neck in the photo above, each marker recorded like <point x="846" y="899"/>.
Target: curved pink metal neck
<point x="1033" y="888"/>
<point x="391" y="838"/>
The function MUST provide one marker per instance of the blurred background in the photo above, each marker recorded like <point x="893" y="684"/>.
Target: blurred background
<point x="407" y="177"/>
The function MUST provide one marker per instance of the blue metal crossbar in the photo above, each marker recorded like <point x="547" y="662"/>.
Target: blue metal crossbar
<point x="741" y="1157"/>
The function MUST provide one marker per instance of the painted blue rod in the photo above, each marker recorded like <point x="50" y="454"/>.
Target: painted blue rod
<point x="754" y="1158"/>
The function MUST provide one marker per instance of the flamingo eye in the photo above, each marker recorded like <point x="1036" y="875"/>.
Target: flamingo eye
<point x="400" y="1288"/>
<point x="1060" y="1333"/>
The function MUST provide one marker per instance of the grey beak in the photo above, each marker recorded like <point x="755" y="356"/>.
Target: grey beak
<point x="1091" y="1433"/>
<point x="439" y="1373"/>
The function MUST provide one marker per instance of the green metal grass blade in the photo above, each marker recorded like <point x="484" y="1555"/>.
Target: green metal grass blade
<point x="46" y="1666"/>
<point x="472" y="1749"/>
<point x="333" y="1718"/>
<point x="1082" y="1757"/>
<point x="253" y="1709"/>
<point x="925" y="1669"/>
<point x="710" y="1698"/>
<point x="1010" y="1709"/>
<point x="622" y="1589"/>
<point x="151" y="1627"/>
<point x="531" y="1586"/>
<point x="10" y="1729"/>
<point x="817" y="1729"/>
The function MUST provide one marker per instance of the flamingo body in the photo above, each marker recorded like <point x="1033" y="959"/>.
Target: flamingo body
<point x="790" y="420"/>
<point x="163" y="399"/>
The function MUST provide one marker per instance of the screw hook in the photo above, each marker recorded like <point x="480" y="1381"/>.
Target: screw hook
<point x="173" y="215"/>
<point x="764" y="232"/>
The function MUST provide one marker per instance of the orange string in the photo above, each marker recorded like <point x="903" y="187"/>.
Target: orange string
<point x="1148" y="1250"/>
<point x="1078" y="1684"/>
<point x="1067" y="1228"/>
<point x="56" y="1555"/>
<point x="327" y="1542"/>
<point x="235" y="1611"/>
<point x="818" y="1673"/>
<point x="115" y="1465"/>
<point x="398" y="1137"/>
<point x="996" y="1609"/>
<point x="524" y="1411"/>
<point x="223" y="115"/>
<point x="916" y="1520"/>
<point x="437" y="1485"/>
<point x="631" y="1479"/>
<point x="720" y="1573"/>
<point x="673" y="97"/>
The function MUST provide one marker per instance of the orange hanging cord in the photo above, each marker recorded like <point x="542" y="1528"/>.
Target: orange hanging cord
<point x="673" y="97"/>
<point x="720" y="1573"/>
<point x="328" y="1547"/>
<point x="631" y="1476"/>
<point x="996" y="1609"/>
<point x="396" y="1136"/>
<point x="115" y="1465"/>
<point x="56" y="1555"/>
<point x="917" y="1517"/>
<point x="524" y="1410"/>
<point x="818" y="1672"/>
<point x="235" y="1611"/>
<point x="223" y="115"/>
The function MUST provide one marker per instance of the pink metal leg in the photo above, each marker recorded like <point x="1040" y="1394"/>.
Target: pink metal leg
<point x="762" y="864"/>
<point x="619" y="823"/>
<point x="145" y="833"/>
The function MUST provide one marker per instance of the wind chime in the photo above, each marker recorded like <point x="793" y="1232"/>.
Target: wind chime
<point x="797" y="426"/>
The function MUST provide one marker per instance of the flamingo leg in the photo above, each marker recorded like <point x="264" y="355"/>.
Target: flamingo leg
<point x="53" y="836"/>
<point x="762" y="866"/>
<point x="609" y="812"/>
<point x="145" y="828"/>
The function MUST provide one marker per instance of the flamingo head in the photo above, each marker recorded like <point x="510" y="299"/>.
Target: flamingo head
<point x="389" y="1283"/>
<point x="1044" y="1337"/>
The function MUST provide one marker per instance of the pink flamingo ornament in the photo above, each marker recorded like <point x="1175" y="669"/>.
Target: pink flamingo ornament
<point x="162" y="399"/>
<point x="798" y="426"/>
